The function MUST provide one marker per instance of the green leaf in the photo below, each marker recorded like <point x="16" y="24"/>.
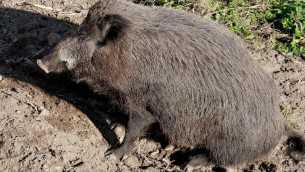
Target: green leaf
<point x="297" y="32"/>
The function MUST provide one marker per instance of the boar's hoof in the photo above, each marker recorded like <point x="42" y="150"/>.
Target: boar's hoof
<point x="119" y="153"/>
<point x="230" y="170"/>
<point x="169" y="147"/>
<point x="197" y="162"/>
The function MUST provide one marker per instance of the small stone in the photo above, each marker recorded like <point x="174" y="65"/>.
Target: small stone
<point x="230" y="170"/>
<point x="166" y="160"/>
<point x="58" y="168"/>
<point x="119" y="129"/>
<point x="45" y="166"/>
<point x="75" y="119"/>
<point x="29" y="96"/>
<point x="18" y="111"/>
<point x="1" y="78"/>
<point x="37" y="118"/>
<point x="120" y="132"/>
<point x="132" y="162"/>
<point x="17" y="90"/>
<point x="169" y="148"/>
<point x="155" y="153"/>
<point x="43" y="112"/>
<point x="53" y="38"/>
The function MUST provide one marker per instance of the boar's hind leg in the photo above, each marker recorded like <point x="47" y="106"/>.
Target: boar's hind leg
<point x="138" y="123"/>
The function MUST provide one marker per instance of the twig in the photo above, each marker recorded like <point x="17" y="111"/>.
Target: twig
<point x="282" y="35"/>
<point x="25" y="102"/>
<point x="50" y="8"/>
<point x="68" y="13"/>
<point x="39" y="6"/>
<point x="38" y="52"/>
<point x="43" y="7"/>
<point x="297" y="21"/>
<point x="293" y="60"/>
<point x="269" y="25"/>
<point x="31" y="104"/>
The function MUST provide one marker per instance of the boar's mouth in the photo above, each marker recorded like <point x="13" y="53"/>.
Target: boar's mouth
<point x="42" y="66"/>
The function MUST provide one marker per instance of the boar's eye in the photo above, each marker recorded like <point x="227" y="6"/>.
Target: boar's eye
<point x="111" y="27"/>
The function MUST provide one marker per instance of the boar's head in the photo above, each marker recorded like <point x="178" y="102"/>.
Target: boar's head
<point x="79" y="49"/>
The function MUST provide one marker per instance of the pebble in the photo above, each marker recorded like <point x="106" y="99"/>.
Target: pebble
<point x="75" y="119"/>
<point x="120" y="132"/>
<point x="57" y="168"/>
<point x="53" y="38"/>
<point x="45" y="166"/>
<point x="17" y="90"/>
<point x="1" y="78"/>
<point x="43" y="112"/>
<point x="169" y="148"/>
<point x="230" y="170"/>
<point x="37" y="118"/>
<point x="132" y="162"/>
<point x="29" y="96"/>
<point x="155" y="153"/>
<point x="119" y="129"/>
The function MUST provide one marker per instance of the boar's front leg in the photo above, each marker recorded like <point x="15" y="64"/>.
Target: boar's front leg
<point x="138" y="123"/>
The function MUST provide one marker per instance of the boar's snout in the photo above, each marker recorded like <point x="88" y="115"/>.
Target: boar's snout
<point x="42" y="66"/>
<point x="52" y="64"/>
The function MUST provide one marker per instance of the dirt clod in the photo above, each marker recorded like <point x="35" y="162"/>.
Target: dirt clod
<point x="132" y="162"/>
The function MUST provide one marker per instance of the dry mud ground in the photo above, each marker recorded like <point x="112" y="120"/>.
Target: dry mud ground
<point x="48" y="123"/>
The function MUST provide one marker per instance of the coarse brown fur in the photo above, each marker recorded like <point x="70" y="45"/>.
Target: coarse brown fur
<point x="191" y="75"/>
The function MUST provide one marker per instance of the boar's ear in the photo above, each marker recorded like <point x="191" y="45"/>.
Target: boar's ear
<point x="110" y="28"/>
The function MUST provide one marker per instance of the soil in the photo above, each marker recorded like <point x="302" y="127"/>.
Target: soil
<point x="48" y="123"/>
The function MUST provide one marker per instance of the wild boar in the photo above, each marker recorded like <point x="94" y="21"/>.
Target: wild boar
<point x="191" y="75"/>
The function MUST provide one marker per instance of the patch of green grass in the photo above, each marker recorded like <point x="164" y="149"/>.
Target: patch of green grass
<point x="287" y="111"/>
<point x="289" y="18"/>
<point x="266" y="23"/>
<point x="272" y="24"/>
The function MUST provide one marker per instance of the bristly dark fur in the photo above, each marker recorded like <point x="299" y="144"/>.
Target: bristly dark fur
<point x="191" y="75"/>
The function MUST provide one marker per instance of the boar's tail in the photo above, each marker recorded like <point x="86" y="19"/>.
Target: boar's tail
<point x="296" y="144"/>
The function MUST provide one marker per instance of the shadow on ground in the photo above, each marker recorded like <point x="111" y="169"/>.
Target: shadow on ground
<point x="24" y="39"/>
